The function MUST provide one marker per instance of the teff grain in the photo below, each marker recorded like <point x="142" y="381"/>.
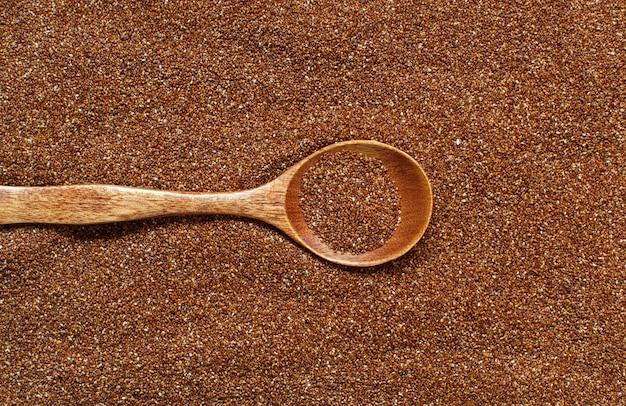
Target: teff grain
<point x="350" y="202"/>
<point x="516" y="292"/>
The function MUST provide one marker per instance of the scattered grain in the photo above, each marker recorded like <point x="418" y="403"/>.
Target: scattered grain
<point x="350" y="202"/>
<point x="516" y="294"/>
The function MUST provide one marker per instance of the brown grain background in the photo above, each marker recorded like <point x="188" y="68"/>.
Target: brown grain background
<point x="516" y="294"/>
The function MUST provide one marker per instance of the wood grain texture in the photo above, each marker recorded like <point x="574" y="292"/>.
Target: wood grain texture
<point x="276" y="203"/>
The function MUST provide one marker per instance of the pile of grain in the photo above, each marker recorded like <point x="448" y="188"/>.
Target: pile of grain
<point x="515" y="294"/>
<point x="350" y="202"/>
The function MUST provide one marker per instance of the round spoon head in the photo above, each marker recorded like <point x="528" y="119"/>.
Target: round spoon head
<point x="416" y="201"/>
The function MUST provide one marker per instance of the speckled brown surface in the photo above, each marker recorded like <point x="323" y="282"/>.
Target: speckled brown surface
<point x="350" y="202"/>
<point x="516" y="293"/>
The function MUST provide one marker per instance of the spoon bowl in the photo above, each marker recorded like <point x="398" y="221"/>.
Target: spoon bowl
<point x="415" y="204"/>
<point x="276" y="203"/>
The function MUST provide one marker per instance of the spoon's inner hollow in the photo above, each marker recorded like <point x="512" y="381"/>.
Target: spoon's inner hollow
<point x="349" y="201"/>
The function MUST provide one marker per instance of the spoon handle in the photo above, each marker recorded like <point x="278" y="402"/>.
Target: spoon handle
<point x="93" y="204"/>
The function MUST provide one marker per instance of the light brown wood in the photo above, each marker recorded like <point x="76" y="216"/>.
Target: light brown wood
<point x="276" y="203"/>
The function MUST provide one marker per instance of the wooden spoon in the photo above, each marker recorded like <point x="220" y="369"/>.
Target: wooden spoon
<point x="276" y="203"/>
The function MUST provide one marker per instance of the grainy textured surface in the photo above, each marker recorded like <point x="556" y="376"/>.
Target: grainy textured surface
<point x="350" y="202"/>
<point x="516" y="293"/>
